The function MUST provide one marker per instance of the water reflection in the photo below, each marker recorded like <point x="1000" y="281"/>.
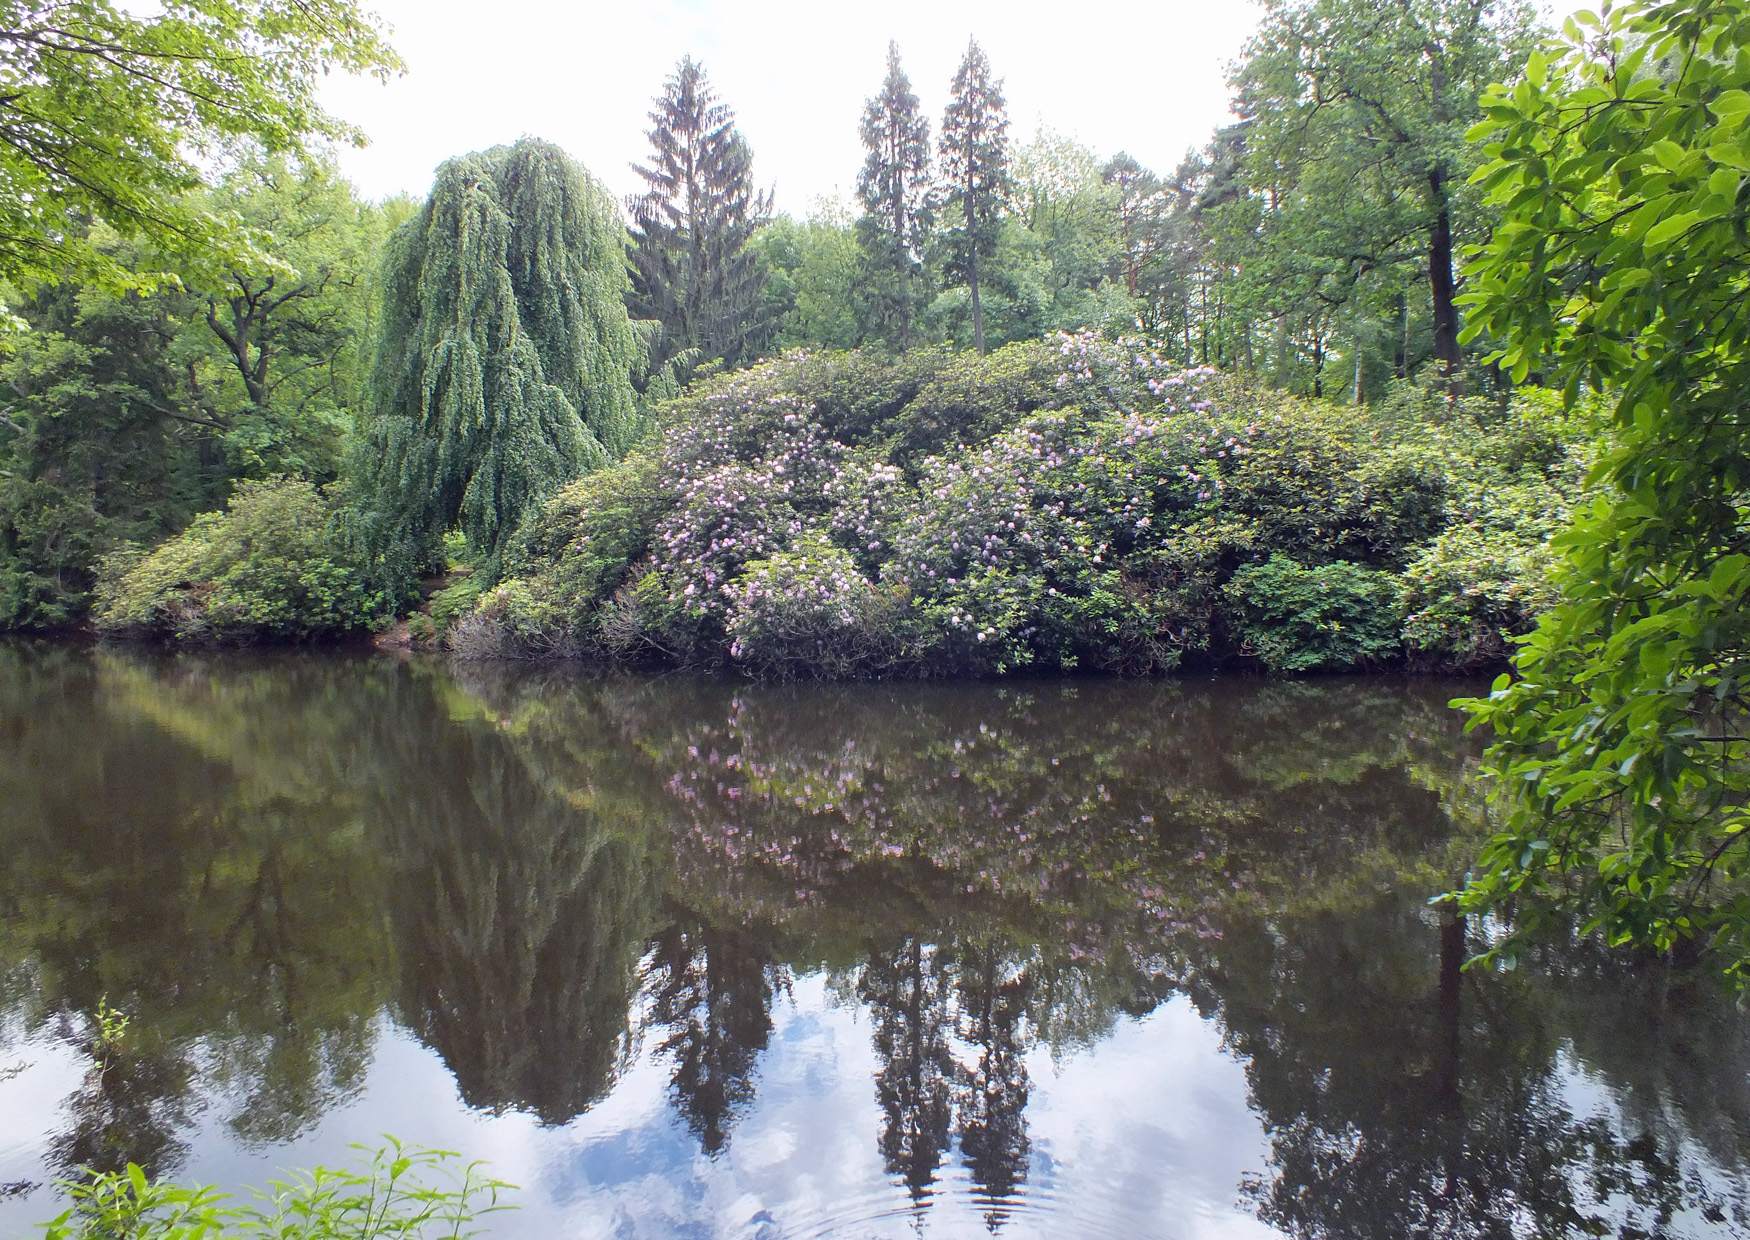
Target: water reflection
<point x="585" y="899"/>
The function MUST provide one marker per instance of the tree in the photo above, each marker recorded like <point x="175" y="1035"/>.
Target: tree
<point x="693" y="269"/>
<point x="814" y="271"/>
<point x="1619" y="163"/>
<point x="1139" y="199"/>
<point x="1355" y="113"/>
<point x="974" y="172"/>
<point x="1064" y="201"/>
<point x="106" y="115"/>
<point x="290" y="321"/>
<point x="894" y="189"/>
<point x="506" y="356"/>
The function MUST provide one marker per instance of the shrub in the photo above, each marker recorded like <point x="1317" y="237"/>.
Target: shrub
<point x="267" y="567"/>
<point x="1468" y="593"/>
<point x="456" y="600"/>
<point x="811" y="612"/>
<point x="422" y="630"/>
<point x="1074" y="503"/>
<point x="1294" y="618"/>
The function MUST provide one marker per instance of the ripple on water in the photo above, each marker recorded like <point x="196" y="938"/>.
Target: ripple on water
<point x="953" y="1209"/>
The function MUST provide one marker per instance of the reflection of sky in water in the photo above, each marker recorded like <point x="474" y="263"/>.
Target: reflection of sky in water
<point x="1144" y="960"/>
<point x="1148" y="1133"/>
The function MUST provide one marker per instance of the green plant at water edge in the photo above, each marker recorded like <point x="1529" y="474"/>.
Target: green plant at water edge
<point x="399" y="1191"/>
<point x="112" y="1029"/>
<point x="1621" y="163"/>
<point x="1292" y="618"/>
<point x="268" y="566"/>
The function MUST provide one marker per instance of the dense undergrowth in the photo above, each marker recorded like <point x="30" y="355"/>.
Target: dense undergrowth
<point x="1075" y="503"/>
<point x="1067" y="504"/>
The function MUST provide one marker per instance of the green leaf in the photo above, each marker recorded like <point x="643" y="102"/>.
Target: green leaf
<point x="1667" y="230"/>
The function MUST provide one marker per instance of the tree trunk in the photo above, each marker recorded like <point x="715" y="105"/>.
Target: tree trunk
<point x="1401" y="356"/>
<point x="1440" y="282"/>
<point x="977" y="306"/>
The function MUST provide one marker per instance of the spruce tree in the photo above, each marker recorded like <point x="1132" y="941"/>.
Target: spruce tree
<point x="693" y="272"/>
<point x="505" y="360"/>
<point x="974" y="172"/>
<point x="894" y="189"/>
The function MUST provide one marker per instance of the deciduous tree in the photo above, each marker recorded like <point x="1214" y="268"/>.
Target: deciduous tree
<point x="506" y="357"/>
<point x="105" y="114"/>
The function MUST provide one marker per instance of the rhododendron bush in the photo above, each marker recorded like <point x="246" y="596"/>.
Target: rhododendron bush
<point x="1073" y="503"/>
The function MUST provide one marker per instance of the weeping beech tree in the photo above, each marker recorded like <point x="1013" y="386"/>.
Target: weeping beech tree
<point x="506" y="357"/>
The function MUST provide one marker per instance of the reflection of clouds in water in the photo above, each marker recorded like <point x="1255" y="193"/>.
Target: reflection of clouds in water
<point x="971" y="930"/>
<point x="1106" y="1125"/>
<point x="1153" y="1126"/>
<point x="802" y="1150"/>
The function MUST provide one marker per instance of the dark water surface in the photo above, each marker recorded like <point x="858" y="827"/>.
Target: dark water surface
<point x="682" y="958"/>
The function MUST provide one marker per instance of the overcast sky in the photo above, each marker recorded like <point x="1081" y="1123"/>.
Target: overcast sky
<point x="1144" y="76"/>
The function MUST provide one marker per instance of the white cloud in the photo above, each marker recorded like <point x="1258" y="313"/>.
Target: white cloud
<point x="1142" y="77"/>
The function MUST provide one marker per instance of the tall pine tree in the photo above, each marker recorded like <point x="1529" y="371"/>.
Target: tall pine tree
<point x="692" y="269"/>
<point x="975" y="173"/>
<point x="894" y="189"/>
<point x="506" y="356"/>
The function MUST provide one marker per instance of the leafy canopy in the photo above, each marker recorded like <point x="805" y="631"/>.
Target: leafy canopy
<point x="105" y="116"/>
<point x="1621" y="164"/>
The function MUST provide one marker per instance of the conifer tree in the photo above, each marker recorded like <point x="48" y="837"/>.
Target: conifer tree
<point x="693" y="272"/>
<point x="894" y="189"/>
<point x="974" y="172"/>
<point x="505" y="361"/>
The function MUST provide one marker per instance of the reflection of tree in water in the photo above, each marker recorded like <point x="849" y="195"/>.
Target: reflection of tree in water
<point x="1403" y="1097"/>
<point x="131" y="1107"/>
<point x="519" y="914"/>
<point x="992" y="1099"/>
<point x="990" y="869"/>
<point x="711" y="991"/>
<point x="213" y="892"/>
<point x="951" y="1033"/>
<point x="907" y="992"/>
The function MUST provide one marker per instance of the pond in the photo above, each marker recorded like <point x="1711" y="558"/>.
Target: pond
<point x="697" y="958"/>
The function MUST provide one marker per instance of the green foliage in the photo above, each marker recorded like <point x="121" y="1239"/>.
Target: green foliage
<point x="1469" y="593"/>
<point x="400" y="1191"/>
<point x="1619" y="162"/>
<point x="266" y="568"/>
<point x="1082" y="503"/>
<point x="1354" y="115"/>
<point x="506" y="357"/>
<point x="128" y="413"/>
<point x="813" y="278"/>
<point x="1295" y="618"/>
<point x="894" y="188"/>
<point x="810" y="612"/>
<point x="974" y="174"/>
<point x="110" y="113"/>
<point x="695" y="273"/>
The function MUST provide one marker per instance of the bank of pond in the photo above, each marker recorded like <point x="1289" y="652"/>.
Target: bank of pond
<point x="1076" y="503"/>
<point x="692" y="956"/>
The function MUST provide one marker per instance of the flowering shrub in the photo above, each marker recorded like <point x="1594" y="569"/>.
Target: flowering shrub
<point x="810" y="612"/>
<point x="265" y="568"/>
<point x="1075" y="503"/>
